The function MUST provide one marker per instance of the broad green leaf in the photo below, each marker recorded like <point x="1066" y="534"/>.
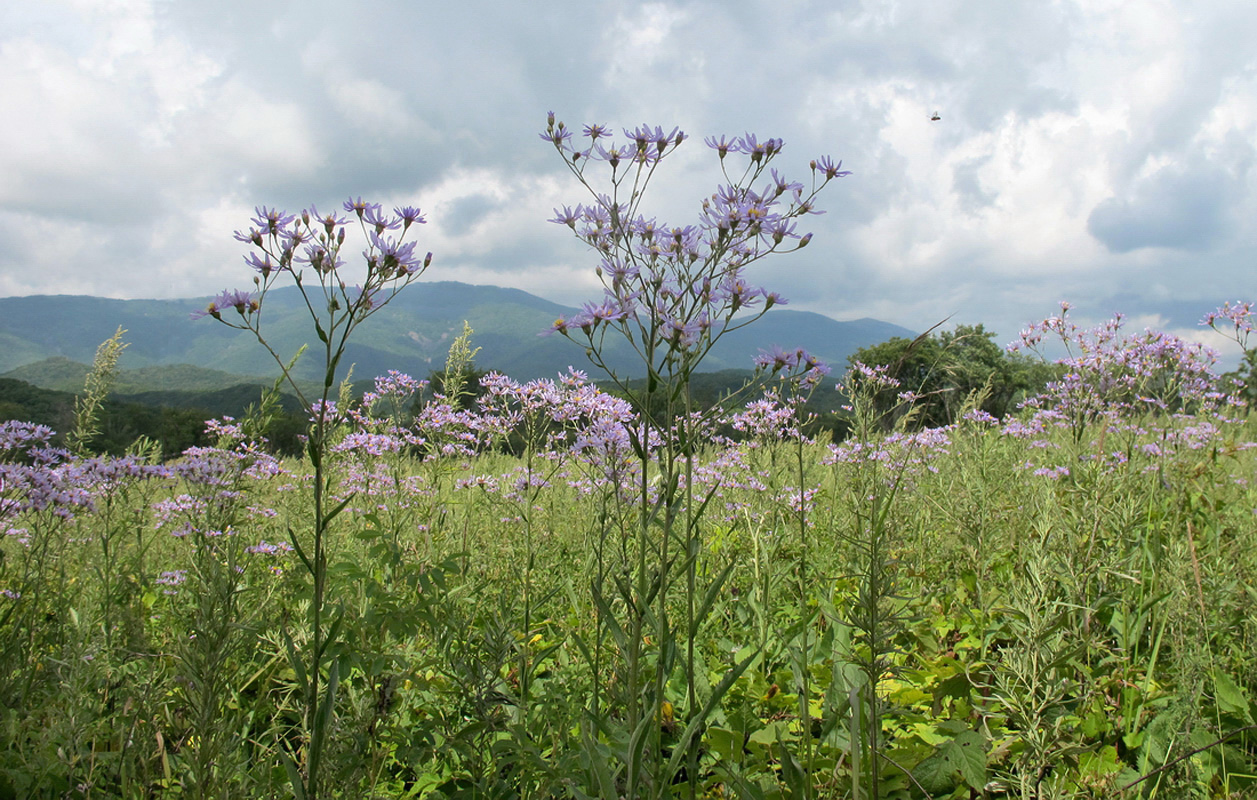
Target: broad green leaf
<point x="1230" y="697"/>
<point x="960" y="759"/>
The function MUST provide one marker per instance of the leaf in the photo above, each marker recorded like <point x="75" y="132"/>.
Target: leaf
<point x="791" y="769"/>
<point x="726" y="744"/>
<point x="1230" y="697"/>
<point x="963" y="757"/>
<point x="698" y="720"/>
<point x="298" y="666"/>
<point x="607" y="616"/>
<point x="326" y="713"/>
<point x="709" y="599"/>
<point x="331" y="515"/>
<point x="968" y="750"/>
<point x="294" y="775"/>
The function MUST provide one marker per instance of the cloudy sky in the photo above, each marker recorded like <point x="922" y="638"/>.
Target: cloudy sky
<point x="1098" y="151"/>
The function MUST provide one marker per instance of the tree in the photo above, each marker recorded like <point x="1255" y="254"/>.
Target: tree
<point x="943" y="371"/>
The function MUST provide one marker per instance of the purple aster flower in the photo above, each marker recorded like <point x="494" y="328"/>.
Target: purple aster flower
<point x="263" y="265"/>
<point x="758" y="150"/>
<point x="604" y="312"/>
<point x="243" y="302"/>
<point x="776" y="359"/>
<point x="251" y="237"/>
<point x="374" y="217"/>
<point x="722" y="146"/>
<point x="358" y="206"/>
<point x="614" y="155"/>
<point x="272" y="220"/>
<point x="409" y="215"/>
<point x="393" y="257"/>
<point x="781" y="185"/>
<point x="320" y="259"/>
<point x="831" y="170"/>
<point x="559" y="135"/>
<point x="782" y="228"/>
<point x="329" y="221"/>
<point x="567" y="216"/>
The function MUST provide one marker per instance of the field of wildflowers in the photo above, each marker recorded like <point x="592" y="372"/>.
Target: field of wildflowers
<point x="543" y="589"/>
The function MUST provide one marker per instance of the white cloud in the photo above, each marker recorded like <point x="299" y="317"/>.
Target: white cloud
<point x="1087" y="151"/>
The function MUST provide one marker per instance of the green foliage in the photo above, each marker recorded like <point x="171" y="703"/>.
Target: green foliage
<point x="460" y="380"/>
<point x="96" y="388"/>
<point x="946" y="369"/>
<point x="940" y="623"/>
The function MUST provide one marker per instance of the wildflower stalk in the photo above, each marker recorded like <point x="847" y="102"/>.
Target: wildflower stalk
<point x="881" y="467"/>
<point x="671" y="293"/>
<point x="96" y="389"/>
<point x="287" y="244"/>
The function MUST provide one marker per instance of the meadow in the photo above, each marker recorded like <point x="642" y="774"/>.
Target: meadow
<point x="1052" y="605"/>
<point x="541" y="589"/>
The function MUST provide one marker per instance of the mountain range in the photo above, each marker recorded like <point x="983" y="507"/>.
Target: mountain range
<point x="48" y="340"/>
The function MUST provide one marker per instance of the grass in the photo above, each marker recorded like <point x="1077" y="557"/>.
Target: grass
<point x="939" y="621"/>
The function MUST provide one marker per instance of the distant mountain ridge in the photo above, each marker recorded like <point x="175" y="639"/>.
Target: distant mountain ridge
<point x="411" y="334"/>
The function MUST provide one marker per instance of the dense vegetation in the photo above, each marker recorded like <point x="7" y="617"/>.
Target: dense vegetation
<point x="1051" y="606"/>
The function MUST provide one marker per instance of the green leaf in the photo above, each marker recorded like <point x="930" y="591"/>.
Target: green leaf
<point x="331" y="515"/>
<point x="962" y="758"/>
<point x="607" y="616"/>
<point x="968" y="750"/>
<point x="709" y="599"/>
<point x="298" y="666"/>
<point x="294" y="775"/>
<point x="1230" y="697"/>
<point x="326" y="713"/>
<point x="697" y="722"/>
<point x="791" y="769"/>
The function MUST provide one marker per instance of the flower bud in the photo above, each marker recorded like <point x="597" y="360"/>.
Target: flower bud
<point x="807" y="237"/>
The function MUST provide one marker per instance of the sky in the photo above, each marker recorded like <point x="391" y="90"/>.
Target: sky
<point x="1097" y="152"/>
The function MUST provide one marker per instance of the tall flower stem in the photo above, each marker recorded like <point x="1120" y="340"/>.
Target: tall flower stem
<point x="671" y="293"/>
<point x="286" y="244"/>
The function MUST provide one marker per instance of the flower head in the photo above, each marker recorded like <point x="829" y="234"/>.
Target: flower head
<point x="272" y="220"/>
<point x="409" y="215"/>
<point x="826" y="166"/>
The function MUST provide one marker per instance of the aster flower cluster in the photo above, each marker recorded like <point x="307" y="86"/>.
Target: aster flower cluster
<point x="218" y="480"/>
<point x="672" y="291"/>
<point x="289" y="243"/>
<point x="37" y="477"/>
<point x="1233" y="320"/>
<point x="769" y="418"/>
<point x="562" y="420"/>
<point x="1127" y="399"/>
<point x="1111" y="374"/>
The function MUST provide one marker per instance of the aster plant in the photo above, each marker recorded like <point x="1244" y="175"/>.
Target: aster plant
<point x="307" y="249"/>
<point x="671" y="293"/>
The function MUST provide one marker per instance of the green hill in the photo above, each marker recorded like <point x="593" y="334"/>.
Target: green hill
<point x="412" y="334"/>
